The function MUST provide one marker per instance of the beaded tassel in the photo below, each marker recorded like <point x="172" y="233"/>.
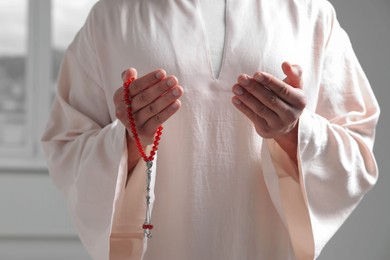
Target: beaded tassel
<point x="147" y="226"/>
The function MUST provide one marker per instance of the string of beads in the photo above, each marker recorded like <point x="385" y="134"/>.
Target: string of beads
<point x="147" y="226"/>
<point x="128" y="100"/>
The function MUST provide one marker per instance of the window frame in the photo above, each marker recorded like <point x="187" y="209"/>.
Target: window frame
<point x="38" y="89"/>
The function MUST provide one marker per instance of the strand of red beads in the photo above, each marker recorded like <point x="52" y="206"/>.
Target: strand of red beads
<point x="147" y="226"/>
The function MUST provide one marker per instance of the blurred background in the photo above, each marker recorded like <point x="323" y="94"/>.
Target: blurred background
<point x="34" y="222"/>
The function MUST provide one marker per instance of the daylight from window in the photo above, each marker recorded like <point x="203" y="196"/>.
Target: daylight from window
<point x="67" y="17"/>
<point x="13" y="39"/>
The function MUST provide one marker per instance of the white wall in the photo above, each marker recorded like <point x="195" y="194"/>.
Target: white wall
<point x="34" y="223"/>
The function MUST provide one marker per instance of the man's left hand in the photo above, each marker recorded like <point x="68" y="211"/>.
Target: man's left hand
<point x="273" y="105"/>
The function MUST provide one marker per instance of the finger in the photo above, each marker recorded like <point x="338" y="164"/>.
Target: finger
<point x="255" y="105"/>
<point x="153" y="123"/>
<point x="294" y="75"/>
<point x="146" y="81"/>
<point x="150" y="94"/>
<point x="158" y="105"/>
<point x="119" y="104"/>
<point x="264" y="95"/>
<point x="284" y="91"/>
<point x="128" y="74"/>
<point x="260" y="123"/>
<point x="118" y="97"/>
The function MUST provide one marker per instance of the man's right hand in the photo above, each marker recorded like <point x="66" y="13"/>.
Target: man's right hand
<point x="155" y="98"/>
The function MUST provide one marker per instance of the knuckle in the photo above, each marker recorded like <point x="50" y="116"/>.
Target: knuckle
<point x="261" y="110"/>
<point x="283" y="89"/>
<point x="159" y="119"/>
<point x="142" y="98"/>
<point x="272" y="99"/>
<point x="302" y="103"/>
<point x="152" y="109"/>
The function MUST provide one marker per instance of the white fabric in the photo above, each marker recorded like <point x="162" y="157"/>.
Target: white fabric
<point x="220" y="191"/>
<point x="213" y="15"/>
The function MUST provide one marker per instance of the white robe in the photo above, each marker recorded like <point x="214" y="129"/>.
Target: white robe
<point x="221" y="191"/>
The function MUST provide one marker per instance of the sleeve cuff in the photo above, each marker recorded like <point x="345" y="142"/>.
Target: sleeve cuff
<point x="283" y="164"/>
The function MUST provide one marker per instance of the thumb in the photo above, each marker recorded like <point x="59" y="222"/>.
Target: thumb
<point x="294" y="75"/>
<point x="128" y="74"/>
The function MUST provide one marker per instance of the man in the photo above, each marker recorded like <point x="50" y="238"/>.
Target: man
<point x="255" y="161"/>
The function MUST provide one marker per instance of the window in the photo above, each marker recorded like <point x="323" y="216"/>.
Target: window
<point x="33" y="40"/>
<point x="64" y="29"/>
<point x="13" y="38"/>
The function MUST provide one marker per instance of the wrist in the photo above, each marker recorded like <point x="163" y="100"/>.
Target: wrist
<point x="289" y="143"/>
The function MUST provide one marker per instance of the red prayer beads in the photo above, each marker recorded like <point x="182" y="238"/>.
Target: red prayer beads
<point x="128" y="101"/>
<point x="147" y="226"/>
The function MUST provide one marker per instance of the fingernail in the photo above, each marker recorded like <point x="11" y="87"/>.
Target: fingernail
<point x="236" y="101"/>
<point x="238" y="91"/>
<point x="244" y="80"/>
<point x="259" y="77"/>
<point x="175" y="105"/>
<point x="176" y="92"/>
<point x="171" y="82"/>
<point x="159" y="75"/>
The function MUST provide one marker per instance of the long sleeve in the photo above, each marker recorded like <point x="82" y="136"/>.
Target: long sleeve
<point x="87" y="153"/>
<point x="205" y="210"/>
<point x="336" y="165"/>
<point x="84" y="151"/>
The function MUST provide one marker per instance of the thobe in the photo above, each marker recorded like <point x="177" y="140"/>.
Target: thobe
<point x="221" y="191"/>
